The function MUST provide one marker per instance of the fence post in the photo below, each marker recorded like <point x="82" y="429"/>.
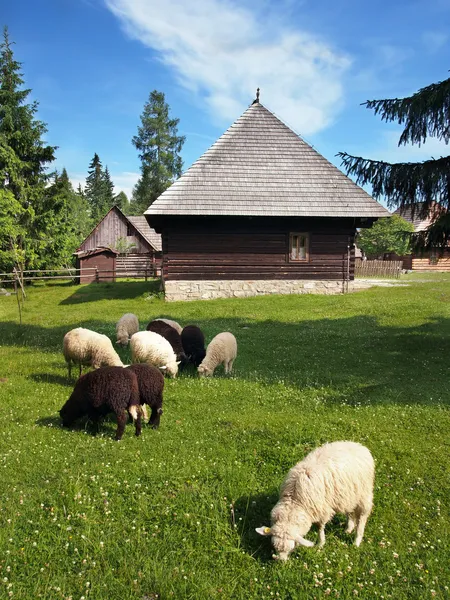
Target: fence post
<point x="145" y="273"/>
<point x="97" y="279"/>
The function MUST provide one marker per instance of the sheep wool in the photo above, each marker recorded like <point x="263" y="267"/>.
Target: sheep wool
<point x="126" y="327"/>
<point x="151" y="348"/>
<point x="173" y="324"/>
<point x="108" y="389"/>
<point x="85" y="347"/>
<point x="151" y="386"/>
<point x="334" y="478"/>
<point x="193" y="342"/>
<point x="221" y="350"/>
<point x="171" y="335"/>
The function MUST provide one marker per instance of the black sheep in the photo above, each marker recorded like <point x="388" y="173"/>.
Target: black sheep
<point x="172" y="336"/>
<point x="193" y="342"/>
<point x="108" y="389"/>
<point x="151" y="387"/>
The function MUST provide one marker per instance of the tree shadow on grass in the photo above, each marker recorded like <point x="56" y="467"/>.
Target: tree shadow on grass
<point x="352" y="360"/>
<point x="52" y="378"/>
<point x="126" y="290"/>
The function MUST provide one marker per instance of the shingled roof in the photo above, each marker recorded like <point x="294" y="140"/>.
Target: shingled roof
<point x="144" y="229"/>
<point x="260" y="167"/>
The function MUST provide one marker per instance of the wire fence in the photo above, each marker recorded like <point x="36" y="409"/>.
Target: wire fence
<point x="84" y="275"/>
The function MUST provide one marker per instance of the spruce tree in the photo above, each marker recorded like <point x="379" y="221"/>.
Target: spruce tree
<point x="23" y="161"/>
<point x="95" y="189"/>
<point x="121" y="201"/>
<point x="416" y="186"/>
<point x="108" y="190"/>
<point x="159" y="147"/>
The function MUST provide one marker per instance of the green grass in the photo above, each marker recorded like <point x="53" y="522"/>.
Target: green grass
<point x="172" y="514"/>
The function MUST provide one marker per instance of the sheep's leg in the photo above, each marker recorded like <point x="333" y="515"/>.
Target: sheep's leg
<point x="350" y="523"/>
<point x="69" y="367"/>
<point x="322" y="535"/>
<point x="144" y="412"/>
<point x="138" y="424"/>
<point x="122" y="419"/>
<point x="230" y="365"/>
<point x="81" y="368"/>
<point x="360" y="528"/>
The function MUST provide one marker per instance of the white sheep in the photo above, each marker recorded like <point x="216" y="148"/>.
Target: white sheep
<point x="334" y="478"/>
<point x="85" y="347"/>
<point x="126" y="327"/>
<point x="173" y="324"/>
<point x="221" y="349"/>
<point x="151" y="348"/>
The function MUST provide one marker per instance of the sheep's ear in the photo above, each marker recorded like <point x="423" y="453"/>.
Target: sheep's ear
<point x="303" y="542"/>
<point x="263" y="530"/>
<point x="178" y="362"/>
<point x="164" y="368"/>
<point x="160" y="411"/>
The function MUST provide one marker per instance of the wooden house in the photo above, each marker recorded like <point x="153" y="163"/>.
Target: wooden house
<point x="96" y="265"/>
<point x="137" y="244"/>
<point x="431" y="260"/>
<point x="260" y="212"/>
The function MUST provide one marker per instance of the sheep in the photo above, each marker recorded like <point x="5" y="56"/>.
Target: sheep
<point x="172" y="336"/>
<point x="108" y="389"/>
<point x="173" y="324"/>
<point x="221" y="349"/>
<point x="193" y="342"/>
<point x="85" y="347"/>
<point x="151" y="387"/>
<point x="153" y="349"/>
<point x="336" y="477"/>
<point x="126" y="326"/>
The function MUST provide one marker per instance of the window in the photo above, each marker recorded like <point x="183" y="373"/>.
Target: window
<point x="299" y="247"/>
<point x="130" y="231"/>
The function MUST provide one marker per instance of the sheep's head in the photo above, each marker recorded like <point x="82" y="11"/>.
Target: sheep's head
<point x="284" y="540"/>
<point x="204" y="371"/>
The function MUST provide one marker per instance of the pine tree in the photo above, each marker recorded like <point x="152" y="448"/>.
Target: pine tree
<point x="417" y="186"/>
<point x="108" y="190"/>
<point x="95" y="189"/>
<point x="159" y="145"/>
<point x="121" y="201"/>
<point x="23" y="161"/>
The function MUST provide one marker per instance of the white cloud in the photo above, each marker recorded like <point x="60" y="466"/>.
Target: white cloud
<point x="434" y="40"/>
<point x="388" y="150"/>
<point x="222" y="52"/>
<point x="124" y="181"/>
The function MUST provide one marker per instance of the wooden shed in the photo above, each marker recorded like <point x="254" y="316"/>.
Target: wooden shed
<point x="138" y="245"/>
<point x="96" y="265"/>
<point x="260" y="212"/>
<point x="432" y="260"/>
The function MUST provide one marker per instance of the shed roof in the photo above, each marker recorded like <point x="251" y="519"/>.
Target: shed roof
<point x="260" y="167"/>
<point x="144" y="229"/>
<point x="99" y="250"/>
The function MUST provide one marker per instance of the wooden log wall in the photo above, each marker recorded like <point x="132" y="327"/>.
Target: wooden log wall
<point x="252" y="251"/>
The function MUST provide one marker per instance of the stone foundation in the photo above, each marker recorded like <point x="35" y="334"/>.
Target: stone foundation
<point x="207" y="290"/>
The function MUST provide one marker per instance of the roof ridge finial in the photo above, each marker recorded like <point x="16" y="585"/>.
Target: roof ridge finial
<point x="256" y="101"/>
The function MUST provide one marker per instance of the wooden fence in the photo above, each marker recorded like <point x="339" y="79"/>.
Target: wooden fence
<point x="378" y="268"/>
<point x="74" y="274"/>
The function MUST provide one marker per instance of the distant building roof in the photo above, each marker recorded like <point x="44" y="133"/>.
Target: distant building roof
<point x="416" y="217"/>
<point x="260" y="167"/>
<point x="144" y="229"/>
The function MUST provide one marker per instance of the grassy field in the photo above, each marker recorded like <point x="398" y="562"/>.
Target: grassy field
<point x="172" y="514"/>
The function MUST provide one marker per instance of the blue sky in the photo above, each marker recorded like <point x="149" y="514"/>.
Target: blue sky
<point x="92" y="63"/>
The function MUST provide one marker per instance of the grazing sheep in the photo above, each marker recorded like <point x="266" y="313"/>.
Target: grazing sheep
<point x="171" y="335"/>
<point x="126" y="326"/>
<point x="108" y="389"/>
<point x="193" y="342"/>
<point x="151" y="387"/>
<point x="173" y="324"/>
<point x="153" y="349"/>
<point x="336" y="477"/>
<point x="221" y="349"/>
<point x="85" y="347"/>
